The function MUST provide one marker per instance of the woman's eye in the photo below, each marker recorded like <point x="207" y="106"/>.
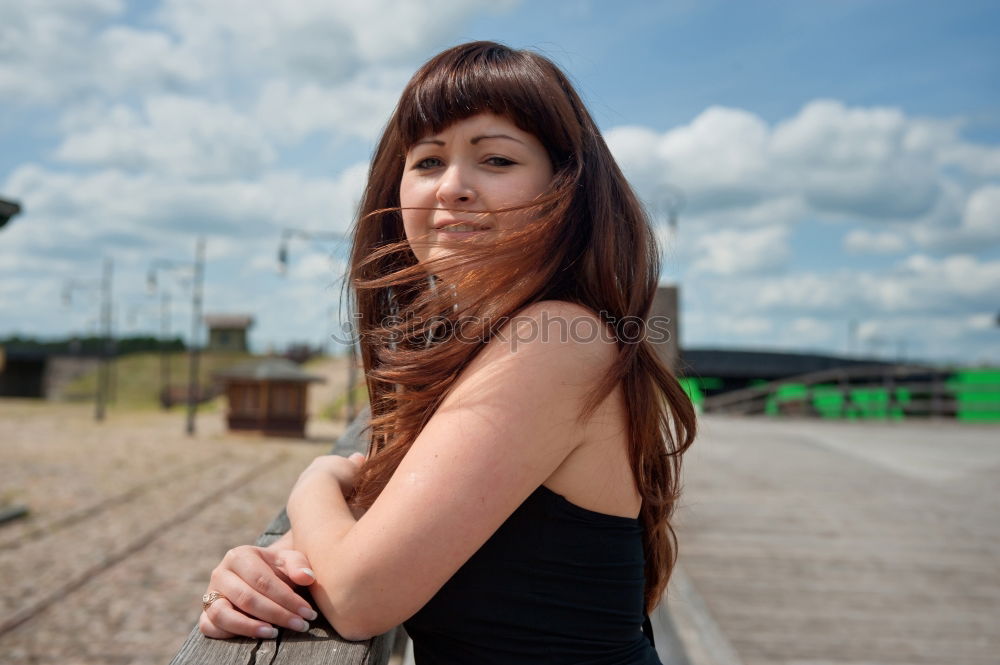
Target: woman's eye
<point x="499" y="161"/>
<point x="427" y="163"/>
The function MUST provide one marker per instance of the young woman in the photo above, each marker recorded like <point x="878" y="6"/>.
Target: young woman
<point x="526" y="441"/>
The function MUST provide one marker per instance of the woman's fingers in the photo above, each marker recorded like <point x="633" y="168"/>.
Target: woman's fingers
<point x="209" y="629"/>
<point x="256" y="585"/>
<point x="263" y="572"/>
<point x="221" y="620"/>
<point x="257" y="600"/>
<point x="294" y="566"/>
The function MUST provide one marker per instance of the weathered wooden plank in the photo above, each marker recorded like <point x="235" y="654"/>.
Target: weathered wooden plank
<point x="322" y="646"/>
<point x="199" y="649"/>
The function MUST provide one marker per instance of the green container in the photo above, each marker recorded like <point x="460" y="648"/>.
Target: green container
<point x="977" y="393"/>
<point x="786" y="392"/>
<point x="871" y="403"/>
<point x="828" y="400"/>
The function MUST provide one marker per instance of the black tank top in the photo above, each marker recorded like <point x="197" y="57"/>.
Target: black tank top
<point x="556" y="584"/>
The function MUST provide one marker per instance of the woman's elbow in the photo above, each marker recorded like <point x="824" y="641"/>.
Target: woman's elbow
<point x="354" y="619"/>
<point x="357" y="628"/>
<point x="352" y="634"/>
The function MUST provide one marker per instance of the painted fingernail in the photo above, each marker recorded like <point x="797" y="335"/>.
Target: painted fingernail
<point x="267" y="632"/>
<point x="309" y="572"/>
<point x="308" y="613"/>
<point x="299" y="625"/>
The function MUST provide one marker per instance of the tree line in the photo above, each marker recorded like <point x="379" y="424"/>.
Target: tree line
<point x="91" y="345"/>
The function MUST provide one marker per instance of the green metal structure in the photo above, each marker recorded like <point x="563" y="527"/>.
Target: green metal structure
<point x="973" y="393"/>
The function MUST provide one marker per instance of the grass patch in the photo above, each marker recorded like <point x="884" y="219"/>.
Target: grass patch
<point x="135" y="378"/>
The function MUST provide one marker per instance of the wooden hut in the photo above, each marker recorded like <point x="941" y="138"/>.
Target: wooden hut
<point x="267" y="396"/>
<point x="228" y="332"/>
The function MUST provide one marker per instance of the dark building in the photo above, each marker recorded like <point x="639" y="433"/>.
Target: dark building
<point x="722" y="370"/>
<point x="41" y="373"/>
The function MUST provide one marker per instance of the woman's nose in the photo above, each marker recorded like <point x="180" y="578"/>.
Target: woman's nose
<point x="454" y="186"/>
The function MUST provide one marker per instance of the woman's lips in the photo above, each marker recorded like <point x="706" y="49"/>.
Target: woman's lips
<point x="461" y="229"/>
<point x="455" y="232"/>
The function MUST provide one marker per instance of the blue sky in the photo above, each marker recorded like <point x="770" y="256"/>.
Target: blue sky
<point x="840" y="161"/>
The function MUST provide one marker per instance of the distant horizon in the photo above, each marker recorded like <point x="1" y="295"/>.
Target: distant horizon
<point x="341" y="351"/>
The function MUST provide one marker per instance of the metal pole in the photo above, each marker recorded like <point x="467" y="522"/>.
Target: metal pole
<point x="352" y="380"/>
<point x="164" y="354"/>
<point x="102" y="368"/>
<point x="113" y="374"/>
<point x="199" y="271"/>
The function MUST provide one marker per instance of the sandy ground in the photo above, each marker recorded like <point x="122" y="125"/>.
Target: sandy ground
<point x="127" y="520"/>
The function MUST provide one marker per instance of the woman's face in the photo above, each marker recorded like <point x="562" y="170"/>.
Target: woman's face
<point x="476" y="165"/>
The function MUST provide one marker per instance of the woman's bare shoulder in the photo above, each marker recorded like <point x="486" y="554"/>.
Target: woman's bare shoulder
<point x="548" y="324"/>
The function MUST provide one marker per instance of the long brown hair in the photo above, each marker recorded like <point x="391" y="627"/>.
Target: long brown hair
<point x="590" y="243"/>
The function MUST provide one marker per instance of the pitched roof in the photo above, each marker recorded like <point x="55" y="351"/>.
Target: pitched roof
<point x="228" y="320"/>
<point x="268" y="369"/>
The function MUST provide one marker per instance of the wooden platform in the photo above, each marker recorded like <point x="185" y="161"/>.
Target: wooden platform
<point x="816" y="543"/>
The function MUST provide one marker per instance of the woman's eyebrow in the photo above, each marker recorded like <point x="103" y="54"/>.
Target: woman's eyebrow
<point x="474" y="140"/>
<point x="477" y="139"/>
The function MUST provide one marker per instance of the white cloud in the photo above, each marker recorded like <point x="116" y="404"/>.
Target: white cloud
<point x="928" y="308"/>
<point x="147" y="60"/>
<point x="809" y="331"/>
<point x="722" y="150"/>
<point x="742" y="326"/>
<point x="982" y="321"/>
<point x="875" y="242"/>
<point x="175" y="136"/>
<point x="917" y="283"/>
<point x="319" y="41"/>
<point x="982" y="213"/>
<point x="855" y="160"/>
<point x="58" y="50"/>
<point x="141" y="214"/>
<point x="357" y="107"/>
<point x="829" y="161"/>
<point x="731" y="252"/>
<point x="718" y="160"/>
<point x="930" y="280"/>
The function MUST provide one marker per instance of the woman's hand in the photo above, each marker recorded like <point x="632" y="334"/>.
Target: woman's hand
<point x="343" y="470"/>
<point x="257" y="589"/>
<point x="327" y="469"/>
<point x="257" y="583"/>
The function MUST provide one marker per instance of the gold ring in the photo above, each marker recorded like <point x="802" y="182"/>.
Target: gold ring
<point x="210" y="598"/>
